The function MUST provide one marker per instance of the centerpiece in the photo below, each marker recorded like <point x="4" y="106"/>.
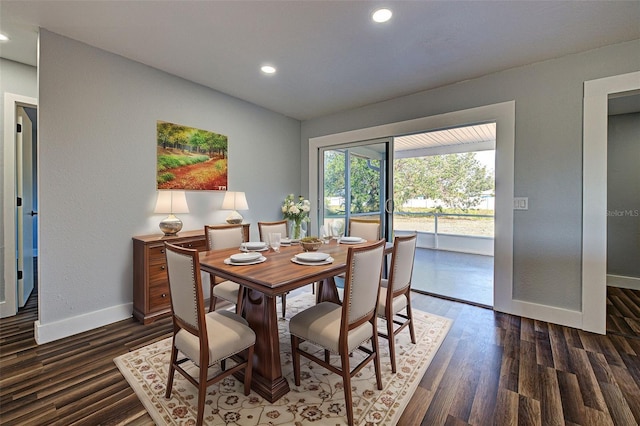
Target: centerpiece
<point x="297" y="212"/>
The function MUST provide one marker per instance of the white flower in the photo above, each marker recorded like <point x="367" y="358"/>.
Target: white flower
<point x="294" y="210"/>
<point x="306" y="208"/>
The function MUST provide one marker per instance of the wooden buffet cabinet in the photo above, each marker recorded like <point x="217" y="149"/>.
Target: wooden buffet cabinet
<point x="151" y="298"/>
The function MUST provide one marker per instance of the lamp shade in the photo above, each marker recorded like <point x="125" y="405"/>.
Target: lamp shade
<point x="171" y="202"/>
<point x="234" y="201"/>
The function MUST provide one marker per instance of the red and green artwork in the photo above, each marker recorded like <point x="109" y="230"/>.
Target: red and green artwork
<point x="190" y="159"/>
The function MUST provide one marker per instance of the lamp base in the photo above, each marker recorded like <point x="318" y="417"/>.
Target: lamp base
<point x="171" y="225"/>
<point x="234" y="218"/>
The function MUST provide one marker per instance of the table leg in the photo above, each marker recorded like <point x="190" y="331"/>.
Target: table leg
<point x="267" y="379"/>
<point x="328" y="292"/>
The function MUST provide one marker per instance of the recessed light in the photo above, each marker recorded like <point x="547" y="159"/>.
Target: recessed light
<point x="381" y="15"/>
<point x="4" y="37"/>
<point x="268" y="69"/>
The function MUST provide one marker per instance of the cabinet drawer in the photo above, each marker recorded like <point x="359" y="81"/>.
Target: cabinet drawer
<point x="159" y="297"/>
<point x="158" y="273"/>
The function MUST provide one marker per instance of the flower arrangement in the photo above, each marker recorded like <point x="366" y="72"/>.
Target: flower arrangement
<point x="297" y="212"/>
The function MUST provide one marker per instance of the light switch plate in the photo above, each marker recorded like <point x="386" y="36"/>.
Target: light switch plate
<point x="521" y="203"/>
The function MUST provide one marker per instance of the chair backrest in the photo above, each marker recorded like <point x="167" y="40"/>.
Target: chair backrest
<point x="187" y="301"/>
<point x="362" y="282"/>
<point x="266" y="228"/>
<point x="404" y="250"/>
<point x="369" y="229"/>
<point x="223" y="236"/>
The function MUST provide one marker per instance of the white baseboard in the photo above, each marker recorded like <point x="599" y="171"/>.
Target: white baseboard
<point x="632" y="283"/>
<point x="45" y="333"/>
<point x="550" y="314"/>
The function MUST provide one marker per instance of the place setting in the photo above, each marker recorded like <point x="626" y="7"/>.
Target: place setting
<point x="253" y="246"/>
<point x="352" y="240"/>
<point x="245" y="258"/>
<point x="312" y="258"/>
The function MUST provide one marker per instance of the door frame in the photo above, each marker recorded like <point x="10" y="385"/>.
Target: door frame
<point x="9" y="306"/>
<point x="594" y="195"/>
<point x="504" y="116"/>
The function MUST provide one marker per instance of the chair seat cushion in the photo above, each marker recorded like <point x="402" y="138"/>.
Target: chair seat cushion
<point x="227" y="290"/>
<point x="320" y="324"/>
<point x="227" y="334"/>
<point x="399" y="303"/>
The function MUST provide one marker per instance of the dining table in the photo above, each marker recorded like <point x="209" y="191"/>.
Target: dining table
<point x="264" y="282"/>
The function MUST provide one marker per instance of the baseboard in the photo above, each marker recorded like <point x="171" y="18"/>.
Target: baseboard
<point x="632" y="283"/>
<point x="550" y="314"/>
<point x="45" y="333"/>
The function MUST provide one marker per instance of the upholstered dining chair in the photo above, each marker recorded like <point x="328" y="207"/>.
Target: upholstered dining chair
<point x="368" y="229"/>
<point x="266" y="228"/>
<point x="395" y="293"/>
<point x="221" y="237"/>
<point x="203" y="338"/>
<point x="342" y="329"/>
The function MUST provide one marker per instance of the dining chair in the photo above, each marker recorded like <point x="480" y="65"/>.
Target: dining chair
<point x="341" y="329"/>
<point x="203" y="338"/>
<point x="222" y="237"/>
<point x="368" y="229"/>
<point x="266" y="228"/>
<point x="395" y="292"/>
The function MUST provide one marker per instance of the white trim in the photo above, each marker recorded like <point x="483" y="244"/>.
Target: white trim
<point x="550" y="314"/>
<point x="620" y="281"/>
<point x="594" y="195"/>
<point x="69" y="326"/>
<point x="9" y="306"/>
<point x="504" y="116"/>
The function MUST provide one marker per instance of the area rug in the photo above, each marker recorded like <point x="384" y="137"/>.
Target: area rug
<point x="319" y="400"/>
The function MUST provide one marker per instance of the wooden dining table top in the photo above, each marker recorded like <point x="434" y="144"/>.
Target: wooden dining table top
<point x="278" y="274"/>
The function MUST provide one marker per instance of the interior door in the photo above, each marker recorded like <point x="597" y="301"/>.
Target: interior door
<point x="24" y="208"/>
<point x="357" y="181"/>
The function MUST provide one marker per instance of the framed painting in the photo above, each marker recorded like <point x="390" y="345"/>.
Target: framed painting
<point x="190" y="158"/>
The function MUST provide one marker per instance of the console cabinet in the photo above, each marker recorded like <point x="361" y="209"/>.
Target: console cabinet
<point x="151" y="297"/>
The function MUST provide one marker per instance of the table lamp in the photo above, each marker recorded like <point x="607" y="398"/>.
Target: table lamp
<point x="171" y="202"/>
<point x="234" y="201"/>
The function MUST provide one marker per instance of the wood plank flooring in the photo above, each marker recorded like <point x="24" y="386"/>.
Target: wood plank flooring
<point x="623" y="311"/>
<point x="491" y="369"/>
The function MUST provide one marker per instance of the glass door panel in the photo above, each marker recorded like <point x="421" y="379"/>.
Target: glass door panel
<point x="356" y="183"/>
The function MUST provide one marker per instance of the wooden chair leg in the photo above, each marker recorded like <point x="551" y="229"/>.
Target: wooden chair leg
<point x="172" y="370"/>
<point x="346" y="380"/>
<point x="296" y="359"/>
<point x="240" y="301"/>
<point x="376" y="360"/>
<point x="284" y="304"/>
<point x="327" y="356"/>
<point x="411" y="330"/>
<point x="202" y="393"/>
<point x="392" y="343"/>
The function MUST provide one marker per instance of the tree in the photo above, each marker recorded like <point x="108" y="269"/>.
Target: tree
<point x="457" y="180"/>
<point x="365" y="181"/>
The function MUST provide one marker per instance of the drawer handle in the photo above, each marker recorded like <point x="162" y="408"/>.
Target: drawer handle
<point x="163" y="267"/>
<point x="164" y="294"/>
<point x="162" y="251"/>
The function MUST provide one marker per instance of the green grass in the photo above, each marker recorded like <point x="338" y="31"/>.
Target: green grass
<point x="165" y="177"/>
<point x="166" y="162"/>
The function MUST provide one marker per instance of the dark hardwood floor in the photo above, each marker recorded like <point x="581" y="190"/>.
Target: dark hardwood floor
<point x="623" y="312"/>
<point x="491" y="369"/>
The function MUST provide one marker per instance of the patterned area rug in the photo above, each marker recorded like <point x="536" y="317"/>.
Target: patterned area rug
<point x="318" y="401"/>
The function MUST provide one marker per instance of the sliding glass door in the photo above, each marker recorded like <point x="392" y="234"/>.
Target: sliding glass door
<point x="356" y="182"/>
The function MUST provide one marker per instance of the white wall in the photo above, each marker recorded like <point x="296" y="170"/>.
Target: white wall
<point x="98" y="115"/>
<point x="18" y="79"/>
<point x="548" y="156"/>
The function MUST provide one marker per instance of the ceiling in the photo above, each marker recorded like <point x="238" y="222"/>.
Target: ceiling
<point x="330" y="56"/>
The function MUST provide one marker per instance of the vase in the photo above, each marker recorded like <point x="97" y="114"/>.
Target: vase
<point x="298" y="229"/>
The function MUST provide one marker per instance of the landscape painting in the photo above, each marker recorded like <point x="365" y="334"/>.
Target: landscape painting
<point x="190" y="159"/>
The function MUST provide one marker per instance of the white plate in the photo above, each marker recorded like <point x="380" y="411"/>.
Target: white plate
<point x="228" y="261"/>
<point x="245" y="257"/>
<point x="324" y="262"/>
<point x="312" y="256"/>
<point x="255" y="245"/>
<point x="265" y="248"/>
<point x="352" y="240"/>
<point x="285" y="241"/>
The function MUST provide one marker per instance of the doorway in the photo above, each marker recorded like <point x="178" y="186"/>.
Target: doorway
<point x="20" y="203"/>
